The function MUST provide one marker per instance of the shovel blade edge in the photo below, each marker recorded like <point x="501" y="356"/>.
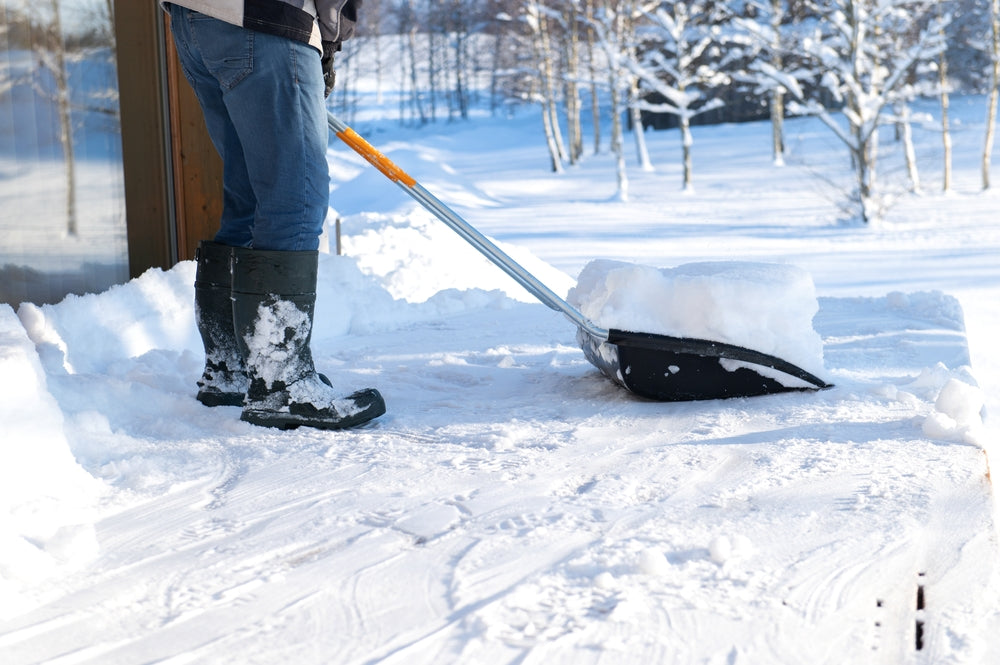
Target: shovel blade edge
<point x="671" y="369"/>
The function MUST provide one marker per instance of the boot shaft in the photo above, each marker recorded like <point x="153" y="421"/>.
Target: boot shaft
<point x="213" y="265"/>
<point x="223" y="381"/>
<point x="264" y="272"/>
<point x="274" y="299"/>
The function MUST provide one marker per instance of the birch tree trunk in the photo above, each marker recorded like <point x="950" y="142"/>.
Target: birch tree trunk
<point x="945" y="125"/>
<point x="409" y="50"/>
<point x="433" y="69"/>
<point x="417" y="102"/>
<point x="542" y="52"/>
<point x="572" y="93"/>
<point x="615" y="75"/>
<point x="498" y="41"/>
<point x="548" y="82"/>
<point x="61" y="77"/>
<point x="462" y="68"/>
<point x="642" y="152"/>
<point x="686" y="142"/>
<point x="991" y="113"/>
<point x="618" y="142"/>
<point x="863" y="128"/>
<point x="777" y="92"/>
<point x="906" y="136"/>
<point x="595" y="103"/>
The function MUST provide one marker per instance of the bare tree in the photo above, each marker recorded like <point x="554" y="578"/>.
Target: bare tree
<point x="595" y="103"/>
<point x="991" y="114"/>
<point x="410" y="62"/>
<point x="614" y="28"/>
<point x="50" y="51"/>
<point x="536" y="18"/>
<point x="766" y="26"/>
<point x="777" y="93"/>
<point x="850" y="56"/>
<point x="682" y="61"/>
<point x="945" y="95"/>
<point x="572" y="60"/>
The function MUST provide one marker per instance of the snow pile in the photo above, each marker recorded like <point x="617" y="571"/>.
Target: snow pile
<point x="957" y="414"/>
<point x="406" y="253"/>
<point x="85" y="334"/>
<point x="47" y="501"/>
<point x="761" y="306"/>
<point x="154" y="312"/>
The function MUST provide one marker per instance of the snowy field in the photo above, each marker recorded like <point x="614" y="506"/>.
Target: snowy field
<point x="514" y="505"/>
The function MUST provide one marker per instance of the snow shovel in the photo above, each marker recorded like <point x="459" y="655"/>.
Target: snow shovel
<point x="658" y="367"/>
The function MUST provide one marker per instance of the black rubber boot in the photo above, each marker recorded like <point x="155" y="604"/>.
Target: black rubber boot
<point x="224" y="381"/>
<point x="274" y="298"/>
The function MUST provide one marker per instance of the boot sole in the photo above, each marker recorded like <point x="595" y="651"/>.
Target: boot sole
<point x="288" y="421"/>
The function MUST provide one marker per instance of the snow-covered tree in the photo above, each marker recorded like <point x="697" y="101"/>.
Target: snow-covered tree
<point x="765" y="24"/>
<point x="858" y="58"/>
<point x="537" y="17"/>
<point x="613" y="24"/>
<point x="682" y="59"/>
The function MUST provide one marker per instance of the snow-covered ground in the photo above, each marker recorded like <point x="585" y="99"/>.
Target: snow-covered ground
<point x="514" y="505"/>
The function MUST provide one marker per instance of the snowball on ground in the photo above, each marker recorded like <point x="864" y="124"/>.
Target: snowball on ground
<point x="762" y="306"/>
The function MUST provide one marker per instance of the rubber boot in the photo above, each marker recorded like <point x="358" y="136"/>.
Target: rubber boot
<point x="274" y="299"/>
<point x="224" y="381"/>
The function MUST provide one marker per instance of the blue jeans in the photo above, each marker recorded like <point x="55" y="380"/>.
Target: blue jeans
<point x="262" y="97"/>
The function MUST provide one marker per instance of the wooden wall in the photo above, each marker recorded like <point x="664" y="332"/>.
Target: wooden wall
<point x="173" y="176"/>
<point x="197" y="168"/>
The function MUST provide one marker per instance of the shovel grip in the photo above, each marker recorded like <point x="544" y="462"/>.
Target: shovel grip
<point x="389" y="169"/>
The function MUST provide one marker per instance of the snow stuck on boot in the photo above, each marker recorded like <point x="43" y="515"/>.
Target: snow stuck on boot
<point x="285" y="389"/>
<point x="761" y="306"/>
<point x="281" y="331"/>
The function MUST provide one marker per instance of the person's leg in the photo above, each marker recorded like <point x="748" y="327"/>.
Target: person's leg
<point x="272" y="91"/>
<point x="223" y="380"/>
<point x="210" y="78"/>
<point x="267" y="110"/>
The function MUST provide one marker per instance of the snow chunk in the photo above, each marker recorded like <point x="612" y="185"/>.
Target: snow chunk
<point x="604" y="581"/>
<point x="964" y="403"/>
<point x="761" y="306"/>
<point x="653" y="562"/>
<point x="957" y="414"/>
<point x="720" y="549"/>
<point x="724" y="548"/>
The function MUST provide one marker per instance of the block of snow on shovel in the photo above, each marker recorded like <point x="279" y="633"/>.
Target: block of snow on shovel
<point x="714" y="329"/>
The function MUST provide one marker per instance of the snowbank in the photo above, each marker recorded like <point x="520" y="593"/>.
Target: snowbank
<point x="761" y="306"/>
<point x="86" y="334"/>
<point x="47" y="501"/>
<point x="416" y="256"/>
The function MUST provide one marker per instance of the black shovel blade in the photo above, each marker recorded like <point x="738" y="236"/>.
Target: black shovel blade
<point x="675" y="369"/>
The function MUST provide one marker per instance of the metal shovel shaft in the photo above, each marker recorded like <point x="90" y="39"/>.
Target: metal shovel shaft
<point x="533" y="285"/>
